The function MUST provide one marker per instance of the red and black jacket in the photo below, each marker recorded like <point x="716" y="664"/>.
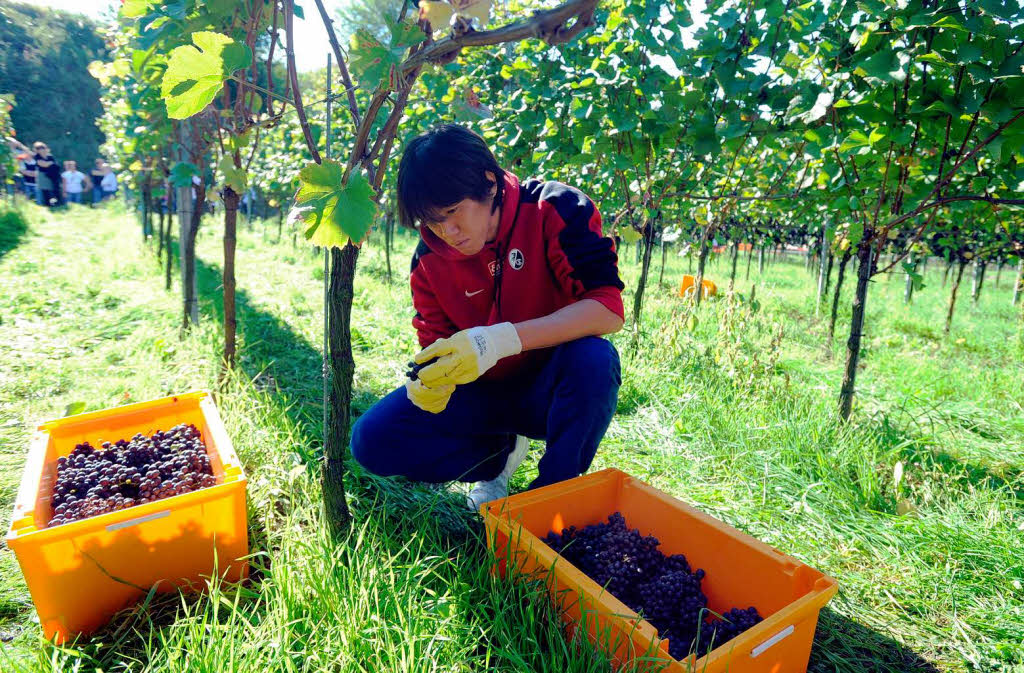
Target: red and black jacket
<point x="549" y="252"/>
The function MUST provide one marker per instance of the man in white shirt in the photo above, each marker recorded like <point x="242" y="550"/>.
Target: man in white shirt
<point x="109" y="182"/>
<point x="74" y="182"/>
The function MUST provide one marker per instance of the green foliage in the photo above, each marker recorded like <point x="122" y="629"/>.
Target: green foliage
<point x="235" y="178"/>
<point x="335" y="212"/>
<point x="182" y="173"/>
<point x="13" y="226"/>
<point x="375" y="62"/>
<point x="275" y="167"/>
<point x="44" y="55"/>
<point x="915" y="276"/>
<point x="754" y="106"/>
<point x="8" y="166"/>
<point x="195" y="75"/>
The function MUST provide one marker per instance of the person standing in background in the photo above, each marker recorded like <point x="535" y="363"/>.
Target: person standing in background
<point x="74" y="182"/>
<point x="35" y="177"/>
<point x="95" y="177"/>
<point x="27" y="168"/>
<point x="109" y="182"/>
<point x="48" y="180"/>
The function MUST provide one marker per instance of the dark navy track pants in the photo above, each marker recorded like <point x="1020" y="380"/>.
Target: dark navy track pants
<point x="568" y="403"/>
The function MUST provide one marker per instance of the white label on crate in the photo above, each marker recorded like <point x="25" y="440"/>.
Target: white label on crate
<point x="142" y="519"/>
<point x="759" y="650"/>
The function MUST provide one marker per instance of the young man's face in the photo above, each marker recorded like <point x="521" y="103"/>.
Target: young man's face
<point x="468" y="224"/>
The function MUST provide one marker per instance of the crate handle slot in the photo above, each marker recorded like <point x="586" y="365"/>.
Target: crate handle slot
<point x="760" y="649"/>
<point x="137" y="520"/>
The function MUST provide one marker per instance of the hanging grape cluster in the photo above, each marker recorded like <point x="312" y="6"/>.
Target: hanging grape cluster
<point x="130" y="472"/>
<point x="665" y="590"/>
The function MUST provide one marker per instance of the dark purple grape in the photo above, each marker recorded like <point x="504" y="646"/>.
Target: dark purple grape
<point x="125" y="473"/>
<point x="665" y="590"/>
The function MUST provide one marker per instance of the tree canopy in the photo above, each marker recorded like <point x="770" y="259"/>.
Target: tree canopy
<point x="44" y="60"/>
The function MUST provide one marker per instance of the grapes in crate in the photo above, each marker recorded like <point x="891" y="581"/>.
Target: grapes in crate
<point x="665" y="590"/>
<point x="129" y="472"/>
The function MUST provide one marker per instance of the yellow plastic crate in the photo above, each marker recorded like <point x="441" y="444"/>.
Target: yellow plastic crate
<point x="81" y="573"/>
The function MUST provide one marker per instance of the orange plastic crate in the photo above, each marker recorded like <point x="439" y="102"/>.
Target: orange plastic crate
<point x="708" y="287"/>
<point x="741" y="572"/>
<point x="81" y="573"/>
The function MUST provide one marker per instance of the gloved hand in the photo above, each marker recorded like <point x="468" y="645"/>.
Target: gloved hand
<point x="465" y="355"/>
<point x="433" y="400"/>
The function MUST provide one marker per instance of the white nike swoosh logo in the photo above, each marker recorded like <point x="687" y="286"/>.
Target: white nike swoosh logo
<point x="470" y="294"/>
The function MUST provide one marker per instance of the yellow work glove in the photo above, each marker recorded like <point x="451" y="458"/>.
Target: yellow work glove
<point x="433" y="400"/>
<point x="465" y="355"/>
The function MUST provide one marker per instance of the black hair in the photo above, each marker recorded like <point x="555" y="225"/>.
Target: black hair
<point x="442" y="167"/>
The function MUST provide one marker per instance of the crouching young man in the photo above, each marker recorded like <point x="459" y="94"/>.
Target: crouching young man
<point x="513" y="285"/>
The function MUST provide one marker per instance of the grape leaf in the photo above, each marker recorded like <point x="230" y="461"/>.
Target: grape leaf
<point x="1004" y="9"/>
<point x="139" y="58"/>
<point x="100" y="71"/>
<point x="132" y="9"/>
<point x="820" y="107"/>
<point x="240" y="142"/>
<point x="335" y="213"/>
<point x="469" y="108"/>
<point x="915" y="277"/>
<point x="370" y="59"/>
<point x="195" y="74"/>
<point x="884" y="66"/>
<point x="376" y="63"/>
<point x="235" y="178"/>
<point x="404" y="34"/>
<point x="182" y="172"/>
<point x="629" y="234"/>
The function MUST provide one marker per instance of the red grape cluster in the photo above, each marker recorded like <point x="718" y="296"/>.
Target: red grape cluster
<point x="664" y="589"/>
<point x="130" y="472"/>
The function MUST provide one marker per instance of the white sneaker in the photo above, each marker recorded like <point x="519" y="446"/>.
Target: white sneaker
<point x="486" y="491"/>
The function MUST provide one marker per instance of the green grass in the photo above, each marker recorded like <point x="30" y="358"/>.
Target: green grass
<point x="729" y="409"/>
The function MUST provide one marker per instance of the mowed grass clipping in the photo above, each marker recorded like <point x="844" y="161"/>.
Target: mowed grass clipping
<point x="914" y="506"/>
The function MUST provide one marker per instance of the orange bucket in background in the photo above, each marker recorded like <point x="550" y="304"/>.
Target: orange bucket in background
<point x="81" y="573"/>
<point x="709" y="289"/>
<point x="741" y="572"/>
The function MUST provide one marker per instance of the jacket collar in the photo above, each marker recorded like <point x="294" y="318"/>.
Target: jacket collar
<point x="509" y="207"/>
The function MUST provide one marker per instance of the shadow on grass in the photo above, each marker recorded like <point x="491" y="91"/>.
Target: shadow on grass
<point x="913" y="449"/>
<point x="844" y="646"/>
<point x="13" y="228"/>
<point x="280" y="361"/>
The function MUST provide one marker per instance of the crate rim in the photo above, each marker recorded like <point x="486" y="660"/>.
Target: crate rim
<point x="22" y="527"/>
<point x="18" y="535"/>
<point x="820" y="593"/>
<point x="85" y="417"/>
